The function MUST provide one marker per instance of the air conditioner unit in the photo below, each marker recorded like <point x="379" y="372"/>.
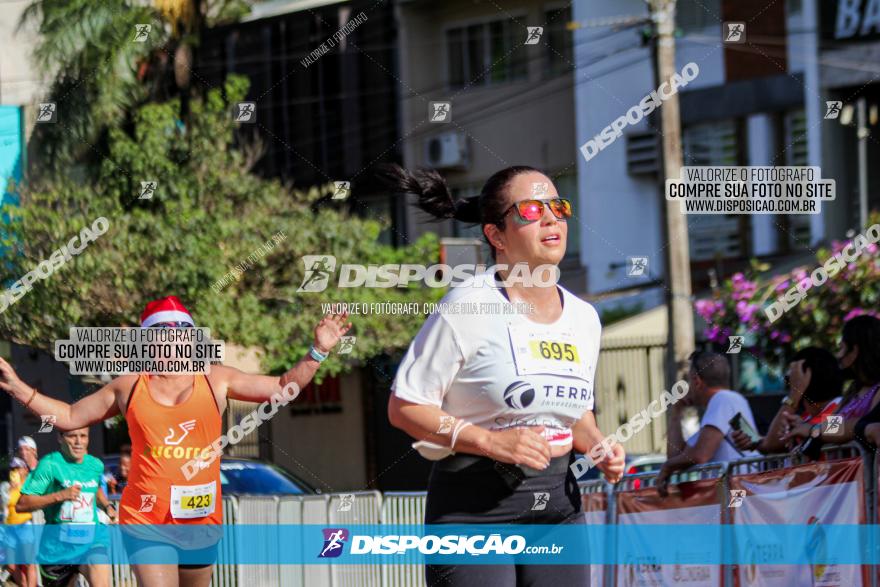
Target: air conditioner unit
<point x="448" y="150"/>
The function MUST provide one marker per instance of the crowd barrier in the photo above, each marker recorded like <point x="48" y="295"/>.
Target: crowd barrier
<point x="840" y="488"/>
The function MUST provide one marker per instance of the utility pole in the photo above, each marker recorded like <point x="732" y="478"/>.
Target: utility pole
<point x="862" y="134"/>
<point x="680" y="341"/>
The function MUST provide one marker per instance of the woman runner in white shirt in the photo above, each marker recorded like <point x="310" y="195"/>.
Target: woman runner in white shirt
<point x="500" y="399"/>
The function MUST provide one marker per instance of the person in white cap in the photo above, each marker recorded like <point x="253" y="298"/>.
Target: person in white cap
<point x="20" y="541"/>
<point x="27" y="451"/>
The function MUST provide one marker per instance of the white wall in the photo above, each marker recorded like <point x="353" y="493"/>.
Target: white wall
<point x="20" y="83"/>
<point x="622" y="214"/>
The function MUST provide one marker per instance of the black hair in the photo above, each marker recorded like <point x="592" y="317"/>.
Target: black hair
<point x="826" y="378"/>
<point x="435" y="198"/>
<point x="864" y="332"/>
<point x="712" y="368"/>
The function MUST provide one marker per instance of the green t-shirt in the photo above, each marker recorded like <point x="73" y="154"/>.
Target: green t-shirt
<point x="54" y="473"/>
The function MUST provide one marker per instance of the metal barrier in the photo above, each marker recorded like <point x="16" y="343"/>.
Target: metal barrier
<point x="400" y="509"/>
<point x="363" y="507"/>
<point x="396" y="509"/>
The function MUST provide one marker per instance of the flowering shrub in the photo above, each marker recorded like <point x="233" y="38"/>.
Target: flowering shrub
<point x="738" y="306"/>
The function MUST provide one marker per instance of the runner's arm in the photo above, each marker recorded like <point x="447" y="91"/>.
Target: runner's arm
<point x="93" y="408"/>
<point x="260" y="388"/>
<point x="30" y="503"/>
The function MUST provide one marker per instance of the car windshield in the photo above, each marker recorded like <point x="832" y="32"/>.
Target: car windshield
<point x="258" y="478"/>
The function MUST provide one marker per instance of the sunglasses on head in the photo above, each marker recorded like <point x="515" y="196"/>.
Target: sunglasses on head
<point x="533" y="210"/>
<point x="172" y="325"/>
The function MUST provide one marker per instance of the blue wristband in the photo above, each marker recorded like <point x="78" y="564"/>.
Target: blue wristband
<point x="316" y="354"/>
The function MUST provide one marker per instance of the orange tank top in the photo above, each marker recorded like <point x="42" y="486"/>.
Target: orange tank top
<point x="165" y="439"/>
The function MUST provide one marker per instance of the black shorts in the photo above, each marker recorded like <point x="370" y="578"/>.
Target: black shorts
<point x="53" y="575"/>
<point x="149" y="552"/>
<point x="495" y="493"/>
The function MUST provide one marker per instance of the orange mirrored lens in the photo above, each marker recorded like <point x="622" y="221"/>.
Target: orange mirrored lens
<point x="561" y="208"/>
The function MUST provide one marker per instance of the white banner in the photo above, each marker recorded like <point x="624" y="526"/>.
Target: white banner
<point x="814" y="495"/>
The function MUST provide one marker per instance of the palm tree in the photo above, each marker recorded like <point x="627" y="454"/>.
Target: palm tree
<point x="104" y="63"/>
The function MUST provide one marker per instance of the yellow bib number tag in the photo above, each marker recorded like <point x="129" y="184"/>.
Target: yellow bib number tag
<point x="194" y="502"/>
<point x="554" y="350"/>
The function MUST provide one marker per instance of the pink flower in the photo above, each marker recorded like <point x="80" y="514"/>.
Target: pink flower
<point x="782" y="286"/>
<point x="859" y="312"/>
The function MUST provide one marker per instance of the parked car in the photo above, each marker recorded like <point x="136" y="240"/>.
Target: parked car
<point x="635" y="463"/>
<point x="240" y="476"/>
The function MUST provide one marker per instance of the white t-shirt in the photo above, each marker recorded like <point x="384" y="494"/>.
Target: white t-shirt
<point x="721" y="408"/>
<point x="501" y="370"/>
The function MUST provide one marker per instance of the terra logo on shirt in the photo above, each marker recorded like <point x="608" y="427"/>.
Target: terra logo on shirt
<point x="519" y="395"/>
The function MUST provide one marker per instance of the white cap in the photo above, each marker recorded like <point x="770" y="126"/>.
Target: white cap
<point x="17" y="463"/>
<point x="28" y="442"/>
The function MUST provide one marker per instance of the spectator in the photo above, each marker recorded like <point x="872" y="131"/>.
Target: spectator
<point x="115" y="481"/>
<point x="859" y="358"/>
<point x="27" y="451"/>
<point x="20" y="542"/>
<point x="815" y="386"/>
<point x="709" y="388"/>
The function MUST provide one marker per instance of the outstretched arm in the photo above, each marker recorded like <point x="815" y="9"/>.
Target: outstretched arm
<point x="260" y="388"/>
<point x="93" y="408"/>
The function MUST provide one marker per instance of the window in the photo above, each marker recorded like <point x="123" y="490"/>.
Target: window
<point x="713" y="235"/>
<point x="485" y="53"/>
<point x="559" y="55"/>
<point x="798" y="232"/>
<point x="694" y="16"/>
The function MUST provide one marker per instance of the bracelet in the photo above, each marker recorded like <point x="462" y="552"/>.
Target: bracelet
<point x="459" y="426"/>
<point x="316" y="354"/>
<point x="33" y="395"/>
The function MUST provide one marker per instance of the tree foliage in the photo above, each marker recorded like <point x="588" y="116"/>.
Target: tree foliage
<point x="208" y="215"/>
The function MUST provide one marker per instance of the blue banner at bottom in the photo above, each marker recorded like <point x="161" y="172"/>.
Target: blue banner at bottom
<point x="442" y="544"/>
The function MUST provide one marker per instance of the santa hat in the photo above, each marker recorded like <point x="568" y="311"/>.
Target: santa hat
<point x="168" y="309"/>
